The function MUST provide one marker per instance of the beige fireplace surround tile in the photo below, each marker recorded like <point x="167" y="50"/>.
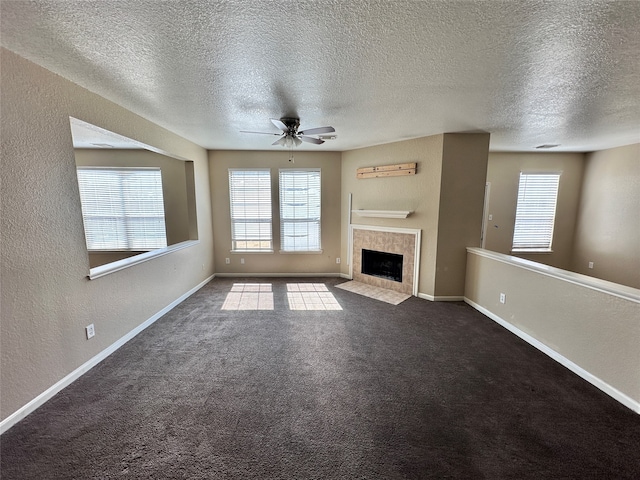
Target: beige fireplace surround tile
<point x="389" y="242"/>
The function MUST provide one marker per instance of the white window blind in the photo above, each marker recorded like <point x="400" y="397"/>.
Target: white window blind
<point x="535" y="211"/>
<point x="300" y="210"/>
<point x="122" y="208"/>
<point x="250" y="203"/>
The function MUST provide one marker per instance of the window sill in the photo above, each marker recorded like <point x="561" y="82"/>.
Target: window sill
<point x="103" y="270"/>
<point x="306" y="252"/>
<point x="113" y="250"/>
<point x="250" y="251"/>
<point x="536" y="251"/>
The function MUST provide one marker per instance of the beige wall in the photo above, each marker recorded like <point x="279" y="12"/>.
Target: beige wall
<point x="608" y="226"/>
<point x="46" y="298"/>
<point x="464" y="170"/>
<point x="174" y="182"/>
<point x="276" y="263"/>
<point x="103" y="258"/>
<point x="445" y="198"/>
<point x="503" y="173"/>
<point x="418" y="193"/>
<point x="595" y="330"/>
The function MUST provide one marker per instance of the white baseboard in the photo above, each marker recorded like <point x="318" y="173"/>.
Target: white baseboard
<point x="441" y="298"/>
<point x="589" y="377"/>
<point x="345" y="275"/>
<point x="276" y="275"/>
<point x="22" y="412"/>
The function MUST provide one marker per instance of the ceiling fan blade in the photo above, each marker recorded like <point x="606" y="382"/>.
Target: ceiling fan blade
<point x="280" y="141"/>
<point x="317" y="141"/>
<point x="261" y="133"/>
<point x="278" y="123"/>
<point x="317" y="131"/>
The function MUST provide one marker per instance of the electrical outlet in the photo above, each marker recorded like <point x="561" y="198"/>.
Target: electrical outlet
<point x="590" y="264"/>
<point x="338" y="260"/>
<point x="227" y="261"/>
<point x="242" y="261"/>
<point x="91" y="331"/>
<point x="503" y="298"/>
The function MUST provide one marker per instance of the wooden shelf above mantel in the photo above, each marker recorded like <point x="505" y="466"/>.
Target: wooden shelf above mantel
<point x="400" y="169"/>
<point x="382" y="213"/>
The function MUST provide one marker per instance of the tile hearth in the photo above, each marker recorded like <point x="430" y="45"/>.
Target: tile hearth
<point x="377" y="293"/>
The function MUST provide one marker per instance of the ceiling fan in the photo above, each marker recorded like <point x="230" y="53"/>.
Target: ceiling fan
<point x="290" y="136"/>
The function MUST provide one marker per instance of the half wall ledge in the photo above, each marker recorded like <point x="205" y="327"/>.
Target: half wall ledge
<point x="102" y="270"/>
<point x="622" y="291"/>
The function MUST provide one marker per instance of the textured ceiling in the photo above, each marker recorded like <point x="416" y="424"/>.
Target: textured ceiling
<point x="529" y="72"/>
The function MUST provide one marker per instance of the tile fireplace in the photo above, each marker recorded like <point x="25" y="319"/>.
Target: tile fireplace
<point x="395" y="257"/>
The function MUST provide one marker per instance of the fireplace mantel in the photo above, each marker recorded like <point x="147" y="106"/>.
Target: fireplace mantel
<point x="382" y="213"/>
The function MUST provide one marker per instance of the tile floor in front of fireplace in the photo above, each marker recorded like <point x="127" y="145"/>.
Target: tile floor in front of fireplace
<point x="374" y="292"/>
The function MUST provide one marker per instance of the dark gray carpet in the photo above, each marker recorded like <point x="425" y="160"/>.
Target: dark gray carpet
<point x="418" y="390"/>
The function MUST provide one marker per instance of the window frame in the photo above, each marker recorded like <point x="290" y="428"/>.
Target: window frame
<point x="315" y="220"/>
<point x="535" y="213"/>
<point x="235" y="237"/>
<point x="128" y="211"/>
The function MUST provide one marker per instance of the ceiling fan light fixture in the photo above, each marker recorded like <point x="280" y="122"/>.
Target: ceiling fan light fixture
<point x="291" y="137"/>
<point x="291" y="141"/>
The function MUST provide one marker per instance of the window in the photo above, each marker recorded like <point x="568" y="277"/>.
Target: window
<point x="300" y="210"/>
<point x="122" y="208"/>
<point x="250" y="195"/>
<point x="535" y="212"/>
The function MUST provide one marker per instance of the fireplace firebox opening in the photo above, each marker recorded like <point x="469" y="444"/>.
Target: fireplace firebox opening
<point x="382" y="264"/>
